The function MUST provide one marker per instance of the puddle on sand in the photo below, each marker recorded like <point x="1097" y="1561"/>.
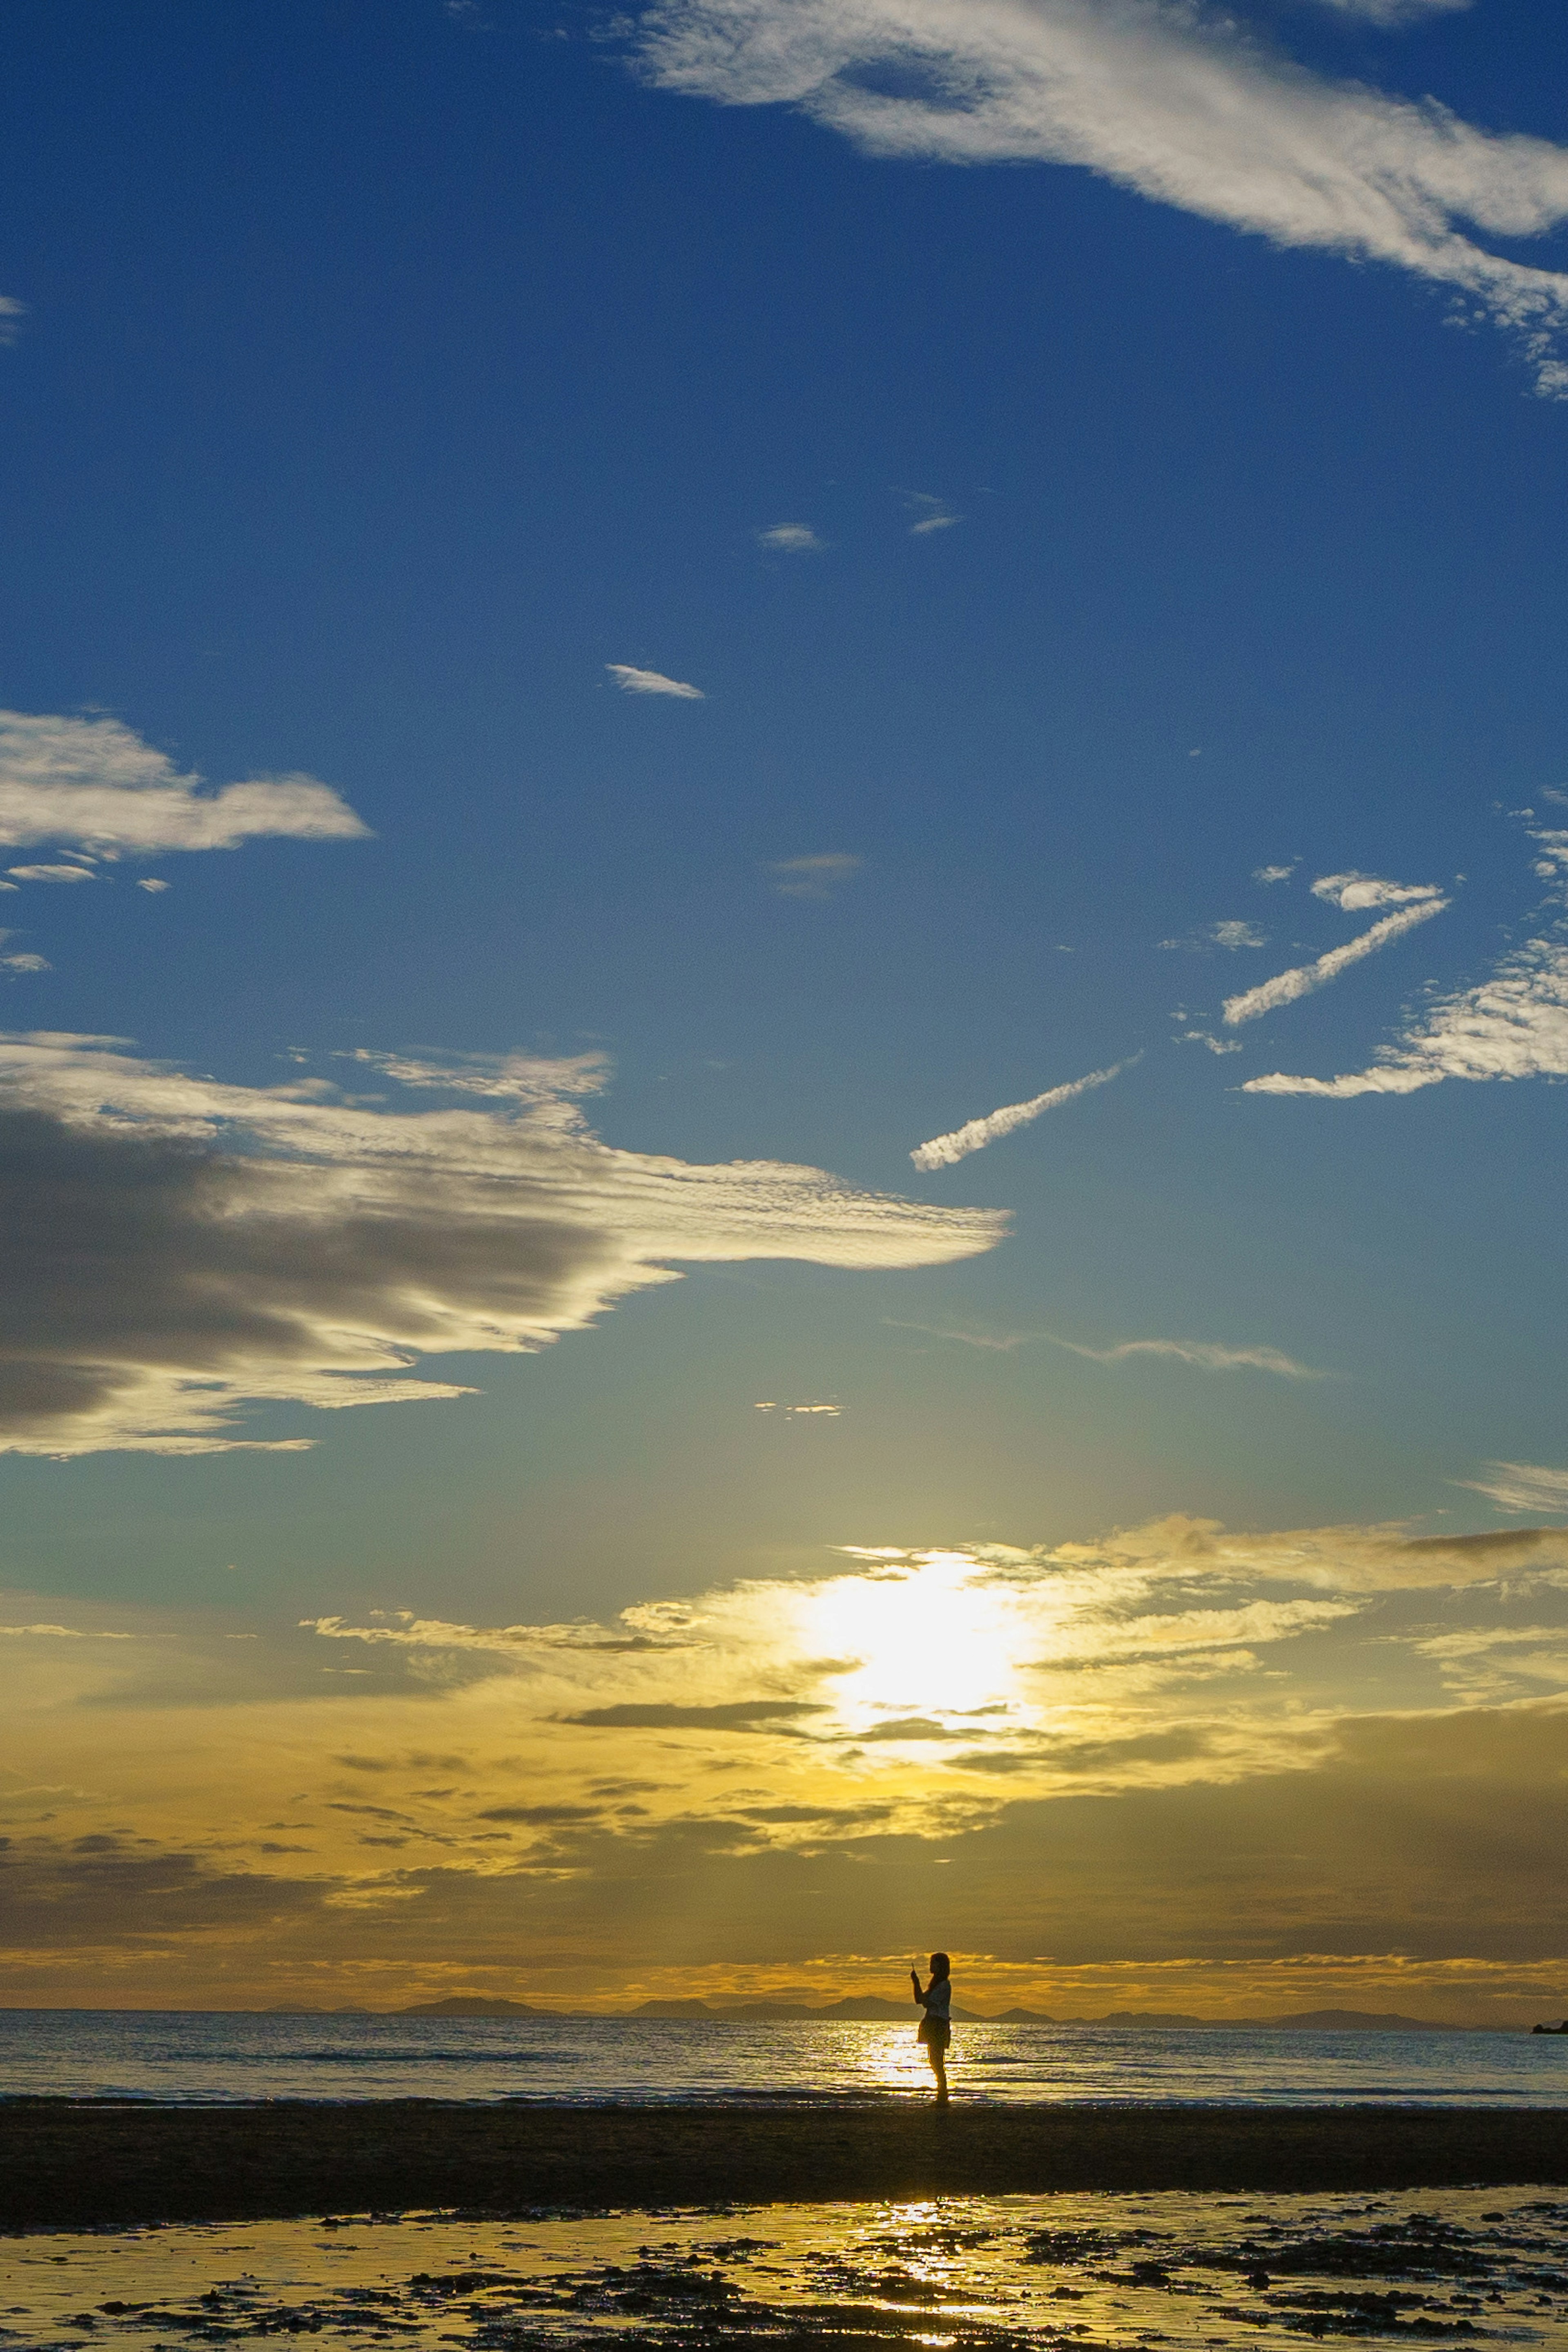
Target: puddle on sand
<point x="1094" y="2274"/>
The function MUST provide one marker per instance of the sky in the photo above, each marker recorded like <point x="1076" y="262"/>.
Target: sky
<point x="783" y="1001"/>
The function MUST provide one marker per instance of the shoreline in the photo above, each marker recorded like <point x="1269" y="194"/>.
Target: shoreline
<point x="69" y="2164"/>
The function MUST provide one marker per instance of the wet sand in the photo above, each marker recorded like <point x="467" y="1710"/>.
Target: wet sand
<point x="67" y="2164"/>
<point x="1465" y="2271"/>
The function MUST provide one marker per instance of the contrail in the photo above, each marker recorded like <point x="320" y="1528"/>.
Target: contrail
<point x="1286" y="986"/>
<point x="943" y="1151"/>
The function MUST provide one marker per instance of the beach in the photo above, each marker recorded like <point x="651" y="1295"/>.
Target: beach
<point x="1065" y="2273"/>
<point x="95" y="2163"/>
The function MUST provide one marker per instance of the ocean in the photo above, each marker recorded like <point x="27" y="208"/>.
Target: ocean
<point x="205" y="2057"/>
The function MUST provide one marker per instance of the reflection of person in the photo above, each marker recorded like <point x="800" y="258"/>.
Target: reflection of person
<point x="936" y="2026"/>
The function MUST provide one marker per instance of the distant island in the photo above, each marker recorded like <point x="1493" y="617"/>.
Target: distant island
<point x="876" y="2008"/>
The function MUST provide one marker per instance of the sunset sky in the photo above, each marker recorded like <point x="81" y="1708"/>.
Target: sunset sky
<point x="784" y="986"/>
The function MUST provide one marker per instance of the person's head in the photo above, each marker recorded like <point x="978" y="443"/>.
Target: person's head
<point x="941" y="1965"/>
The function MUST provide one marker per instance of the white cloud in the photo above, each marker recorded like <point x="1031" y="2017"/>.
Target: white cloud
<point x="179" y="1247"/>
<point x="1355" y="893"/>
<point x="1514" y="1025"/>
<point x="1207" y="1037"/>
<point x="651" y="681"/>
<point x="1286" y="987"/>
<point x="1201" y="1353"/>
<point x="813" y="878"/>
<point x="1395" y="11"/>
<point x="944" y="1150"/>
<point x="150" y="882"/>
<point x="52" y="873"/>
<point x="26" y="963"/>
<point x="1521" y="1486"/>
<point x="791" y="538"/>
<point x="1237" y="935"/>
<point x="12" y="314"/>
<point x="1188" y="108"/>
<point x="931" y="514"/>
<point x="1272" y="873"/>
<point x="94" y="781"/>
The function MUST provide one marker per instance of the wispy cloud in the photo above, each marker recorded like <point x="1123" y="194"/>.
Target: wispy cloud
<point x="94" y="781"/>
<point x="1395" y="12"/>
<point x="651" y="681"/>
<point x="25" y="962"/>
<point x="791" y="539"/>
<point x="1521" y="1486"/>
<point x="1272" y="873"/>
<point x="946" y="1151"/>
<point x="181" y="1248"/>
<point x="52" y="873"/>
<point x="1188" y="108"/>
<point x="813" y="878"/>
<point x="1356" y="894"/>
<point x="12" y="314"/>
<point x="1513" y="1026"/>
<point x="1231" y="934"/>
<point x="1286" y="987"/>
<point x="1204" y="1355"/>
<point x="930" y="513"/>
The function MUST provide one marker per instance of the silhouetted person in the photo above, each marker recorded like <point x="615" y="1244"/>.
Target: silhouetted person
<point x="936" y="2026"/>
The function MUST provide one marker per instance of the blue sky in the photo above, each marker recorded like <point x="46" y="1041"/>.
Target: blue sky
<point x="1063" y="519"/>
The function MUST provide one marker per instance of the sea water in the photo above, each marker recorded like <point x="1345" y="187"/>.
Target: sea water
<point x="211" y="2058"/>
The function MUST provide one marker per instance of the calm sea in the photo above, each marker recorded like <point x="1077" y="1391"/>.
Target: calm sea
<point x="202" y="2057"/>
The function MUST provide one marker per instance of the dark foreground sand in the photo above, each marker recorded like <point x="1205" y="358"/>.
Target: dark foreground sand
<point x="73" y="2164"/>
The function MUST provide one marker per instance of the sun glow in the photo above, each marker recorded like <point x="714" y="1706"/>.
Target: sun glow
<point x="930" y="1640"/>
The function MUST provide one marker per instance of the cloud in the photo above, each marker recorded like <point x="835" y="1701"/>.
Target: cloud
<point x="813" y="878"/>
<point x="1513" y="1026"/>
<point x="930" y="514"/>
<point x="946" y="1151"/>
<point x="651" y="681"/>
<point x="1205" y="1355"/>
<point x="1286" y="987"/>
<point x="179" y="1246"/>
<point x="1521" y="1486"/>
<point x="1131" y="1751"/>
<point x="12" y="314"/>
<point x="1395" y="11"/>
<point x="791" y="539"/>
<point x="95" y="781"/>
<point x="1187" y="107"/>
<point x="150" y="882"/>
<point x="1207" y="1037"/>
<point x="26" y="963"/>
<point x="1230" y="934"/>
<point x="1273" y="873"/>
<point x="739" y="1715"/>
<point x="52" y="873"/>
<point x="1355" y="893"/>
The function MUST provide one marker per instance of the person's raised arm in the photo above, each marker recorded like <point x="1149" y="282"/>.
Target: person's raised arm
<point x="914" y="1980"/>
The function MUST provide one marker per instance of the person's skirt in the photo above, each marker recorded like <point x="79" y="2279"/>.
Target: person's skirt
<point x="935" y="2033"/>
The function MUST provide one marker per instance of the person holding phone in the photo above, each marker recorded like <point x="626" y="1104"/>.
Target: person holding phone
<point x="937" y="2025"/>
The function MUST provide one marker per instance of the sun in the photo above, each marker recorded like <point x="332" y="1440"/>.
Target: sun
<point x="930" y="1637"/>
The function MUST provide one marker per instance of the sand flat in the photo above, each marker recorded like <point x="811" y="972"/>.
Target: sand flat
<point x="68" y="2164"/>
